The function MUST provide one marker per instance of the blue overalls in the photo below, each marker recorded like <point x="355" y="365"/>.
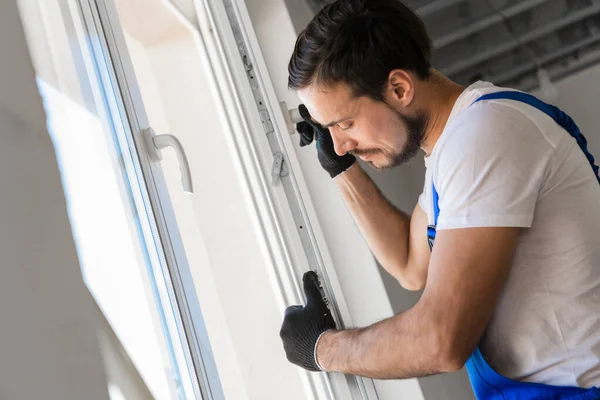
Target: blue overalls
<point x="487" y="383"/>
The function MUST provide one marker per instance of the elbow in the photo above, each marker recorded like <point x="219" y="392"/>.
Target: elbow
<point x="452" y="354"/>
<point x="452" y="362"/>
<point x="450" y="345"/>
<point x="449" y="339"/>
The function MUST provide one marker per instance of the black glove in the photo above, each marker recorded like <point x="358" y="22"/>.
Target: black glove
<point x="328" y="158"/>
<point x="302" y="326"/>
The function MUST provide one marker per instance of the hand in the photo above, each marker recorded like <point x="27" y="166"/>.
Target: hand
<point x="328" y="158"/>
<point x="302" y="326"/>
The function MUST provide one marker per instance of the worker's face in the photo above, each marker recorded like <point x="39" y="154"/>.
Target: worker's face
<point x="377" y="132"/>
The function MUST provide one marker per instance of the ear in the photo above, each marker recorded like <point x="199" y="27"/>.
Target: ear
<point x="400" y="88"/>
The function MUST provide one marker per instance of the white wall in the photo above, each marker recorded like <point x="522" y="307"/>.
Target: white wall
<point x="48" y="342"/>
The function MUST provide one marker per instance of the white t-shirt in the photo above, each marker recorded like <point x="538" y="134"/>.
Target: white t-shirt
<point x="505" y="163"/>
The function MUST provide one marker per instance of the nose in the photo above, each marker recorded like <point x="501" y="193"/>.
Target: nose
<point x="342" y="143"/>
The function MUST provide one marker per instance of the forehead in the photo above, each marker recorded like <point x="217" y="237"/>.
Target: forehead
<point x="327" y="104"/>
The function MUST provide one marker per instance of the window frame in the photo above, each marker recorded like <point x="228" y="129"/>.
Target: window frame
<point x="174" y="276"/>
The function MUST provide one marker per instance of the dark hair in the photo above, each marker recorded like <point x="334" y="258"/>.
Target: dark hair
<point x="359" y="42"/>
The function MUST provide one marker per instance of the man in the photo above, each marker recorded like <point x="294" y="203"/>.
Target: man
<point x="504" y="239"/>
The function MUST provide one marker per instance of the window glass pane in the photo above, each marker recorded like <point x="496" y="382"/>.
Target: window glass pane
<point x="118" y="249"/>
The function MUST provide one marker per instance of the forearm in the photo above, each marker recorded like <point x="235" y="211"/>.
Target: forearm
<point x="400" y="347"/>
<point x="440" y="332"/>
<point x="385" y="228"/>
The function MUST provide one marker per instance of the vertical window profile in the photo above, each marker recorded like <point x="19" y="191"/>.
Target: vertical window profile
<point x="125" y="251"/>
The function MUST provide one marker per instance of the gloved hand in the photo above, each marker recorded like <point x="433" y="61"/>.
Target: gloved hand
<point x="302" y="326"/>
<point x="328" y="158"/>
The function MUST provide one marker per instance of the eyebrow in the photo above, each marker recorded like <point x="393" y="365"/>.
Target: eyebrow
<point x="329" y="125"/>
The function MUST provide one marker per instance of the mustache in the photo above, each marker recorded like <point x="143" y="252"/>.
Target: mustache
<point x="364" y="152"/>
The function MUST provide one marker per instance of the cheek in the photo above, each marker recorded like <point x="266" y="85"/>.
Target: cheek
<point x="392" y="134"/>
<point x="374" y="128"/>
<point x="381" y="127"/>
<point x="385" y="129"/>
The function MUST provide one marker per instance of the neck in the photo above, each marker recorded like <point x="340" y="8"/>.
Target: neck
<point x="440" y="93"/>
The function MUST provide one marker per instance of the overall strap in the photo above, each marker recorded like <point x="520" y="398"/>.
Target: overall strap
<point x="431" y="229"/>
<point x="554" y="112"/>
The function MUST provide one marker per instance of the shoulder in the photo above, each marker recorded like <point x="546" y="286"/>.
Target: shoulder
<point x="494" y="117"/>
<point x="490" y="140"/>
<point x="492" y="127"/>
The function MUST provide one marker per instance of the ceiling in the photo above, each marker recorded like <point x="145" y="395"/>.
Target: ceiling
<point x="505" y="41"/>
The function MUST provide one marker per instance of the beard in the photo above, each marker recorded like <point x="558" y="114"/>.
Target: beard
<point x="415" y="131"/>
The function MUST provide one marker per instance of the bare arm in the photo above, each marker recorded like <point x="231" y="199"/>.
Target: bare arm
<point x="398" y="241"/>
<point x="467" y="273"/>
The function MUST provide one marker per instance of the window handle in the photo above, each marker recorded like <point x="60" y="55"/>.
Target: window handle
<point x="292" y="117"/>
<point x="155" y="143"/>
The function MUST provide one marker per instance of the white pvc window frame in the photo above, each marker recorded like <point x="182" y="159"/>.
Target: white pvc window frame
<point x="173" y="275"/>
<point x="253" y="155"/>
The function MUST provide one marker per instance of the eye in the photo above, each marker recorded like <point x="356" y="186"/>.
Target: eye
<point x="346" y="126"/>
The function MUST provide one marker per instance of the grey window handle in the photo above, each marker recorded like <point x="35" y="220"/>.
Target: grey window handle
<point x="292" y="117"/>
<point x="295" y="116"/>
<point x="155" y="143"/>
